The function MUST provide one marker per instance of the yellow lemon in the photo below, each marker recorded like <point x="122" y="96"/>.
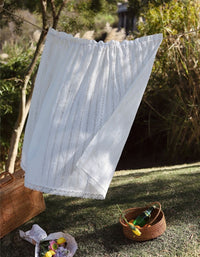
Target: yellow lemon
<point x="61" y="240"/>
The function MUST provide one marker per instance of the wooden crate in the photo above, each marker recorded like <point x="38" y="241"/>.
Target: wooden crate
<point x="18" y="204"/>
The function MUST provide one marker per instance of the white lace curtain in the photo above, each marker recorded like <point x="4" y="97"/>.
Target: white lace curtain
<point x="84" y="102"/>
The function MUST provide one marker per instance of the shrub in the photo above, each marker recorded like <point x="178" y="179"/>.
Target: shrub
<point x="171" y="115"/>
<point x="86" y="15"/>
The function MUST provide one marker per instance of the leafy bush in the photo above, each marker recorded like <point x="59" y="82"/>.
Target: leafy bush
<point x="81" y="16"/>
<point x="170" y="112"/>
<point x="11" y="79"/>
<point x="78" y="17"/>
<point x="101" y="19"/>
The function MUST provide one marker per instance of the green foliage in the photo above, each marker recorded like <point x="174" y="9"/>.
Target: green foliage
<point x="81" y="16"/>
<point x="170" y="18"/>
<point x="78" y="17"/>
<point x="101" y="19"/>
<point x="98" y="5"/>
<point x="11" y="79"/>
<point x="172" y="115"/>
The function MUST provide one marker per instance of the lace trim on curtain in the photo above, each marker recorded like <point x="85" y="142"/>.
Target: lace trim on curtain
<point x="62" y="192"/>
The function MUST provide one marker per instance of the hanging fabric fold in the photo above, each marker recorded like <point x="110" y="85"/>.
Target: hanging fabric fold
<point x="84" y="102"/>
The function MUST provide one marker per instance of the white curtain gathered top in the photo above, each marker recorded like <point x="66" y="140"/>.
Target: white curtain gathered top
<point x="85" y="99"/>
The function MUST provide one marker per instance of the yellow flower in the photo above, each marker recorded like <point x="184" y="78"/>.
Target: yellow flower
<point x="61" y="240"/>
<point x="135" y="230"/>
<point x="50" y="253"/>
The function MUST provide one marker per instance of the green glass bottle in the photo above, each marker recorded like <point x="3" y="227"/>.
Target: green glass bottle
<point x="144" y="217"/>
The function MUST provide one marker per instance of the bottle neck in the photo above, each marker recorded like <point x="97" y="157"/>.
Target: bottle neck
<point x="149" y="210"/>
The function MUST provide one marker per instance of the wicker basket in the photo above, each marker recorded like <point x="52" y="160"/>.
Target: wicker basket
<point x="157" y="222"/>
<point x="18" y="203"/>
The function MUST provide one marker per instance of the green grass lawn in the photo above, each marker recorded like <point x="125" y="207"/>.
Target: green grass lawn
<point x="95" y="223"/>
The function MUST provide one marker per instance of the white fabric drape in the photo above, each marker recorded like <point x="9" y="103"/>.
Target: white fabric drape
<point x="84" y="102"/>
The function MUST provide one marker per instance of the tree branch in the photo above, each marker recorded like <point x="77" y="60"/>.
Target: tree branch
<point x="53" y="8"/>
<point x="61" y="7"/>
<point x="15" y="79"/>
<point x="56" y="16"/>
<point x="44" y="13"/>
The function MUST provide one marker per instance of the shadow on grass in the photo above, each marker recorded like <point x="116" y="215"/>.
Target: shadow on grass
<point x="94" y="223"/>
<point x="110" y="239"/>
<point x="180" y="193"/>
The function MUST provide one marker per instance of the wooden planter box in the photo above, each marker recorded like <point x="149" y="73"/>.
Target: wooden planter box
<point x="18" y="204"/>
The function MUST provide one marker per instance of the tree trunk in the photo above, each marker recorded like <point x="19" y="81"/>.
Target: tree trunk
<point x="25" y="105"/>
<point x="23" y="110"/>
<point x="13" y="150"/>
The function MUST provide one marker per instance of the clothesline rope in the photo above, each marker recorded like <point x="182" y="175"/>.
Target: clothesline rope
<point x="171" y="36"/>
<point x="11" y="13"/>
